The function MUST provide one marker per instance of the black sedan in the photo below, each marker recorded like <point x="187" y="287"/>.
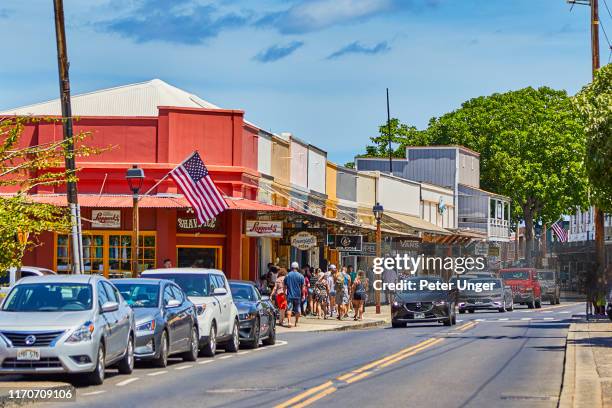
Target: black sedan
<point x="166" y="320"/>
<point x="418" y="302"/>
<point x="256" y="313"/>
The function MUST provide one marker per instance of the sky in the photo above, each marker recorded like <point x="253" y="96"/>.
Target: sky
<point x="315" y="68"/>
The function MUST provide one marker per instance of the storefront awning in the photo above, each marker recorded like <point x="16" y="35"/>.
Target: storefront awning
<point x="158" y="201"/>
<point x="417" y="223"/>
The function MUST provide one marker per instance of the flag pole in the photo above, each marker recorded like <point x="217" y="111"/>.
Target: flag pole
<point x="166" y="176"/>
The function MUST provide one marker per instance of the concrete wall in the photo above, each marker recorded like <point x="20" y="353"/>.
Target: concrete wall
<point x="396" y="194"/>
<point x="346" y="184"/>
<point x="366" y="190"/>
<point x="317" y="162"/>
<point x="264" y="153"/>
<point x="299" y="163"/>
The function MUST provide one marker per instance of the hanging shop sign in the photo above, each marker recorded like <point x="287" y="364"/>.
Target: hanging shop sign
<point x="348" y="243"/>
<point x="481" y="248"/>
<point x="106" y="218"/>
<point x="257" y="228"/>
<point x="303" y="240"/>
<point x="319" y="233"/>
<point x="187" y="222"/>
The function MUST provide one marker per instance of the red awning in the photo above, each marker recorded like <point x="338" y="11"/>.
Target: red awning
<point x="169" y="201"/>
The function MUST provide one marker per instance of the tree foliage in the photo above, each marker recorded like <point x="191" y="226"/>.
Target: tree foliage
<point x="594" y="103"/>
<point x="402" y="135"/>
<point x="23" y="167"/>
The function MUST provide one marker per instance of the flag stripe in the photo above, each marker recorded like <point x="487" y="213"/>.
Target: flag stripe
<point x="194" y="181"/>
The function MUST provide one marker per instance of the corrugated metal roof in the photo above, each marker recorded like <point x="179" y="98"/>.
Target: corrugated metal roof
<point x="140" y="99"/>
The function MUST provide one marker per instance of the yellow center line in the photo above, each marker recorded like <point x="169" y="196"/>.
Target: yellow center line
<point x="556" y="307"/>
<point x="358" y="377"/>
<point x="317" y="397"/>
<point x="466" y="326"/>
<point x="404" y="356"/>
<point x="305" y="394"/>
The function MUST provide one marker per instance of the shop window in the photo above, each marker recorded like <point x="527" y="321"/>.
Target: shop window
<point x="107" y="252"/>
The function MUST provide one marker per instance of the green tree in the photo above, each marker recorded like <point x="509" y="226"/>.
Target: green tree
<point x="402" y="135"/>
<point x="23" y="167"/>
<point x="531" y="145"/>
<point x="594" y="102"/>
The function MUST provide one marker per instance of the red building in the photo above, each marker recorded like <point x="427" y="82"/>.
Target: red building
<point x="155" y="126"/>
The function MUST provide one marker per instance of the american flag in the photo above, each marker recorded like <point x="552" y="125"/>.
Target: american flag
<point x="194" y="181"/>
<point x="560" y="232"/>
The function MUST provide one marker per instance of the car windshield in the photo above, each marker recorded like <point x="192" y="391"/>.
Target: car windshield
<point x="139" y="295"/>
<point x="243" y="292"/>
<point x="417" y="285"/>
<point x="192" y="284"/>
<point x="49" y="297"/>
<point x="519" y="275"/>
<point x="546" y="275"/>
<point x="474" y="283"/>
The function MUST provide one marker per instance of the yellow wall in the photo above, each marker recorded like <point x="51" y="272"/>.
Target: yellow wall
<point x="331" y="175"/>
<point x="280" y="160"/>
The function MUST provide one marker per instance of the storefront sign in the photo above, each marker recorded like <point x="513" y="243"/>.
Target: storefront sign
<point x="406" y="244"/>
<point x="319" y="233"/>
<point x="493" y="251"/>
<point x="348" y="243"/>
<point x="106" y="219"/>
<point x="369" y="249"/>
<point x="257" y="228"/>
<point x="187" y="222"/>
<point x="303" y="241"/>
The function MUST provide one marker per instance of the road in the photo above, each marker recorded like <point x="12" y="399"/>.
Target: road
<point x="513" y="359"/>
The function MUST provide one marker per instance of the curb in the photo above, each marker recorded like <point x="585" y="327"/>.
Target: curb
<point x="364" y="325"/>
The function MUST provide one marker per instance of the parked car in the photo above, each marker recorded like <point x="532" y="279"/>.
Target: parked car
<point x="8" y="278"/>
<point x="551" y="290"/>
<point x="424" y="305"/>
<point x="166" y="320"/>
<point x="256" y="314"/>
<point x="217" y="314"/>
<point x="525" y="286"/>
<point x="77" y="324"/>
<point x="499" y="298"/>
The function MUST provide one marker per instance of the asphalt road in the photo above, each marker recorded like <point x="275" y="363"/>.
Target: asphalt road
<point x="489" y="359"/>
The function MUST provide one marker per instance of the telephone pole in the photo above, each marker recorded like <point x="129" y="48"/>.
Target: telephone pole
<point x="71" y="190"/>
<point x="390" y="137"/>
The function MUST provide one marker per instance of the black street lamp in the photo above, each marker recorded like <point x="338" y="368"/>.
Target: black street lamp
<point x="135" y="177"/>
<point x="378" y="213"/>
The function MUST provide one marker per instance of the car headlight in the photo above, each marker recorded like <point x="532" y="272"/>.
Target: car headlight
<point x="396" y="304"/>
<point x="439" y="302"/>
<point x="200" y="309"/>
<point x="83" y="333"/>
<point x="246" y="316"/>
<point x="147" y="326"/>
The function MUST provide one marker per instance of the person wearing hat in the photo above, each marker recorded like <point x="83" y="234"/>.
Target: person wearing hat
<point x="332" y="289"/>
<point x="294" y="285"/>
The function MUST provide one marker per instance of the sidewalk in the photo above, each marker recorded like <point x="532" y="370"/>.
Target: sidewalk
<point x="587" y="378"/>
<point x="312" y="324"/>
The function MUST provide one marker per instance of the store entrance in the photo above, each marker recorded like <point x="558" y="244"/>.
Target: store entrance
<point x="198" y="257"/>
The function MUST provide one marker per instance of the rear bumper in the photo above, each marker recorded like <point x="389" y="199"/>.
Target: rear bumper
<point x="523" y="297"/>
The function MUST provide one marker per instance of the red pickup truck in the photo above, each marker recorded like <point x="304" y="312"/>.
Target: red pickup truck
<point x="525" y="286"/>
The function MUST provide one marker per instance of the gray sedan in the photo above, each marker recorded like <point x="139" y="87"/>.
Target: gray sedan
<point x="66" y="324"/>
<point x="166" y="320"/>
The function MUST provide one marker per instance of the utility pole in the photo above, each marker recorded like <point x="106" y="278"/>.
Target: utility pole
<point x="390" y="137"/>
<point x="71" y="190"/>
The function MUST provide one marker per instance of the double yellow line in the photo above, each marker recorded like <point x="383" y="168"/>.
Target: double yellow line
<point x="316" y="393"/>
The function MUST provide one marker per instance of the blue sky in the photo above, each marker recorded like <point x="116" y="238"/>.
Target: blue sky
<point x="316" y="68"/>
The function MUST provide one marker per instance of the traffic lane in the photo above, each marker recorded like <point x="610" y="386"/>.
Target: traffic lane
<point x="516" y="364"/>
<point x="258" y="378"/>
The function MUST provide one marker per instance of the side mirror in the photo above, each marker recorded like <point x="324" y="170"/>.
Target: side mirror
<point x="173" y="303"/>
<point x="220" y="292"/>
<point x="108" y="307"/>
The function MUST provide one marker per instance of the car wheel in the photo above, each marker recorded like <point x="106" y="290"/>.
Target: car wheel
<point x="538" y="303"/>
<point x="96" y="377"/>
<point x="503" y="308"/>
<point x="396" y="324"/>
<point x="531" y="304"/>
<point x="194" y="342"/>
<point x="461" y="311"/>
<point x="255" y="342"/>
<point x="271" y="339"/>
<point x="234" y="343"/>
<point x="511" y="308"/>
<point x="210" y="348"/>
<point x="126" y="364"/>
<point x="162" y="359"/>
<point x="448" y="321"/>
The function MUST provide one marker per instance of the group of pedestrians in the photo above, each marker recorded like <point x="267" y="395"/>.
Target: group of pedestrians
<point x="310" y="291"/>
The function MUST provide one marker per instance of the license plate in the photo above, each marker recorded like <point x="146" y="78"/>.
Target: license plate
<point x="419" y="315"/>
<point x="28" y="354"/>
<point x="479" y="303"/>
